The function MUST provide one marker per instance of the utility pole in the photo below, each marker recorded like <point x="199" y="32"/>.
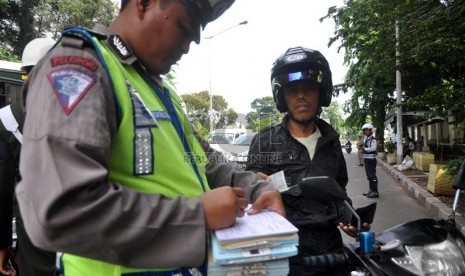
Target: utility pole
<point x="400" y="148"/>
<point x="210" y="93"/>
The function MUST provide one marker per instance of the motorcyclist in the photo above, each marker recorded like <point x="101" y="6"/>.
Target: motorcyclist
<point x="304" y="145"/>
<point x="348" y="146"/>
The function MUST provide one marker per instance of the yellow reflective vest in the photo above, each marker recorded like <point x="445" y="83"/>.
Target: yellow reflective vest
<point x="153" y="152"/>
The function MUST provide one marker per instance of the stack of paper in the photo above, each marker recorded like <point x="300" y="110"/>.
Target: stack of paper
<point x="253" y="245"/>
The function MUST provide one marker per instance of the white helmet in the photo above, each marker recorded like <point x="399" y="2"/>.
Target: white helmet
<point x="35" y="50"/>
<point x="367" y="126"/>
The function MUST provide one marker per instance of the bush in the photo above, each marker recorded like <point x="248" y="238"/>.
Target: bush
<point x="452" y="167"/>
<point x="391" y="146"/>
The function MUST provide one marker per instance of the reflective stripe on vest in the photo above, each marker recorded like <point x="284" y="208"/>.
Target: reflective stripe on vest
<point x="367" y="144"/>
<point x="159" y="165"/>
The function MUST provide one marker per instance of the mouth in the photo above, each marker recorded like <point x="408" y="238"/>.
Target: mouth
<point x="303" y="107"/>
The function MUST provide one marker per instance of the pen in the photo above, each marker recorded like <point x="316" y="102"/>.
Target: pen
<point x="232" y="180"/>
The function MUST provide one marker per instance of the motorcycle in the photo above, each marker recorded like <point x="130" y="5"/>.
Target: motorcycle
<point x="420" y="247"/>
<point x="348" y="147"/>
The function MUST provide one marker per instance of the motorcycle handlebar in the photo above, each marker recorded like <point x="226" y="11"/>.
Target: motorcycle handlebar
<point x="325" y="260"/>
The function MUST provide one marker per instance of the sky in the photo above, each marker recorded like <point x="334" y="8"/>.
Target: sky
<point x="236" y="62"/>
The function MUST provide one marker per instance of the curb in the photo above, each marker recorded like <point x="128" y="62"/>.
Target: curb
<point x="435" y="207"/>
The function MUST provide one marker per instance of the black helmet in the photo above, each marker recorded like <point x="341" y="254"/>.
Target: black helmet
<point x="301" y="64"/>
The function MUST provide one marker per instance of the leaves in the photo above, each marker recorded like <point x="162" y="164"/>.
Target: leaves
<point x="431" y="56"/>
<point x="22" y="21"/>
<point x="198" y="110"/>
<point x="264" y="115"/>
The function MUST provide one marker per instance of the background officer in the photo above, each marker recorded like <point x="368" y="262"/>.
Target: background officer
<point x="369" y="158"/>
<point x="30" y="259"/>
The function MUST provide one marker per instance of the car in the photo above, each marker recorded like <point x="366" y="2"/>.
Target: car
<point x="236" y="152"/>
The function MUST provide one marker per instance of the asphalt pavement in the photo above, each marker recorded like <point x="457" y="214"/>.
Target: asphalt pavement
<point x="400" y="201"/>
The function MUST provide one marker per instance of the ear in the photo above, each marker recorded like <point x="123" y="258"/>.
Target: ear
<point x="141" y="6"/>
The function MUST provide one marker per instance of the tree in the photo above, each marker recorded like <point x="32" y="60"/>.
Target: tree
<point x="22" y="21"/>
<point x="332" y="114"/>
<point x="198" y="110"/>
<point x="53" y="16"/>
<point x="264" y="115"/>
<point x="366" y="31"/>
<point x="431" y="56"/>
<point x="433" y="48"/>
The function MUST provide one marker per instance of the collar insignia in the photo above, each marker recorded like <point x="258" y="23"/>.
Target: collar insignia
<point x="119" y="46"/>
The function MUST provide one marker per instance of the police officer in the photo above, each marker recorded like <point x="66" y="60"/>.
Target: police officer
<point x="30" y="259"/>
<point x="113" y="175"/>
<point x="369" y="158"/>
<point x="304" y="145"/>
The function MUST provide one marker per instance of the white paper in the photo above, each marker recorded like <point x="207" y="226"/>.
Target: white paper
<point x="279" y="181"/>
<point x="265" y="223"/>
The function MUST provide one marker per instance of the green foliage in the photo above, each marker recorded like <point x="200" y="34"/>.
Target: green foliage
<point x="333" y="115"/>
<point x="22" y="21"/>
<point x="390" y="146"/>
<point x="8" y="55"/>
<point x="431" y="56"/>
<point x="264" y="115"/>
<point x="54" y="16"/>
<point x="198" y="110"/>
<point x="452" y="167"/>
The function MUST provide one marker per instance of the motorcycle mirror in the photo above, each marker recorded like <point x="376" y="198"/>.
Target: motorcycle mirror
<point x="322" y="188"/>
<point x="460" y="178"/>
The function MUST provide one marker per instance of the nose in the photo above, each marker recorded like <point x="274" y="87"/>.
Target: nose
<point x="301" y="93"/>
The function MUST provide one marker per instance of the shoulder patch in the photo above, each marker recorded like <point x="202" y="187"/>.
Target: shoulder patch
<point x="87" y="63"/>
<point x="70" y="86"/>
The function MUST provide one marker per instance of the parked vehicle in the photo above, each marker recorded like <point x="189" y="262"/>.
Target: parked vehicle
<point x="234" y="146"/>
<point x="11" y="82"/>
<point x="419" y="247"/>
<point x="226" y="135"/>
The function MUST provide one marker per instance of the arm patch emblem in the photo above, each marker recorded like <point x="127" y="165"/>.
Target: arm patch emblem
<point x="70" y="86"/>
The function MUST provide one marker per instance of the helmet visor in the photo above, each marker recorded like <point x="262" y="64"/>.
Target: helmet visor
<point x="282" y="79"/>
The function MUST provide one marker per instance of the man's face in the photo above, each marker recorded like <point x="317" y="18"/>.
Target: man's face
<point x="164" y="35"/>
<point x="367" y="132"/>
<point x="301" y="98"/>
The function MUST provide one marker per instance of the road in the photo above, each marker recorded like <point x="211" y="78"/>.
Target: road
<point x="394" y="207"/>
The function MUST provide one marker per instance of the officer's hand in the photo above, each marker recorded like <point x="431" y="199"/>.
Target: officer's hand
<point x="222" y="205"/>
<point x="270" y="200"/>
<point x="263" y="176"/>
<point x="5" y="265"/>
<point x="352" y="230"/>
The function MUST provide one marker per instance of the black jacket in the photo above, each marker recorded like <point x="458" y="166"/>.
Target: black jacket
<point x="9" y="174"/>
<point x="273" y="150"/>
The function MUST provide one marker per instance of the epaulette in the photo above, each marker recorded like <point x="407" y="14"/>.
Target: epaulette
<point x="72" y="38"/>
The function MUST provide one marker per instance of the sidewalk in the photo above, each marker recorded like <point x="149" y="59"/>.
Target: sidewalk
<point x="435" y="207"/>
